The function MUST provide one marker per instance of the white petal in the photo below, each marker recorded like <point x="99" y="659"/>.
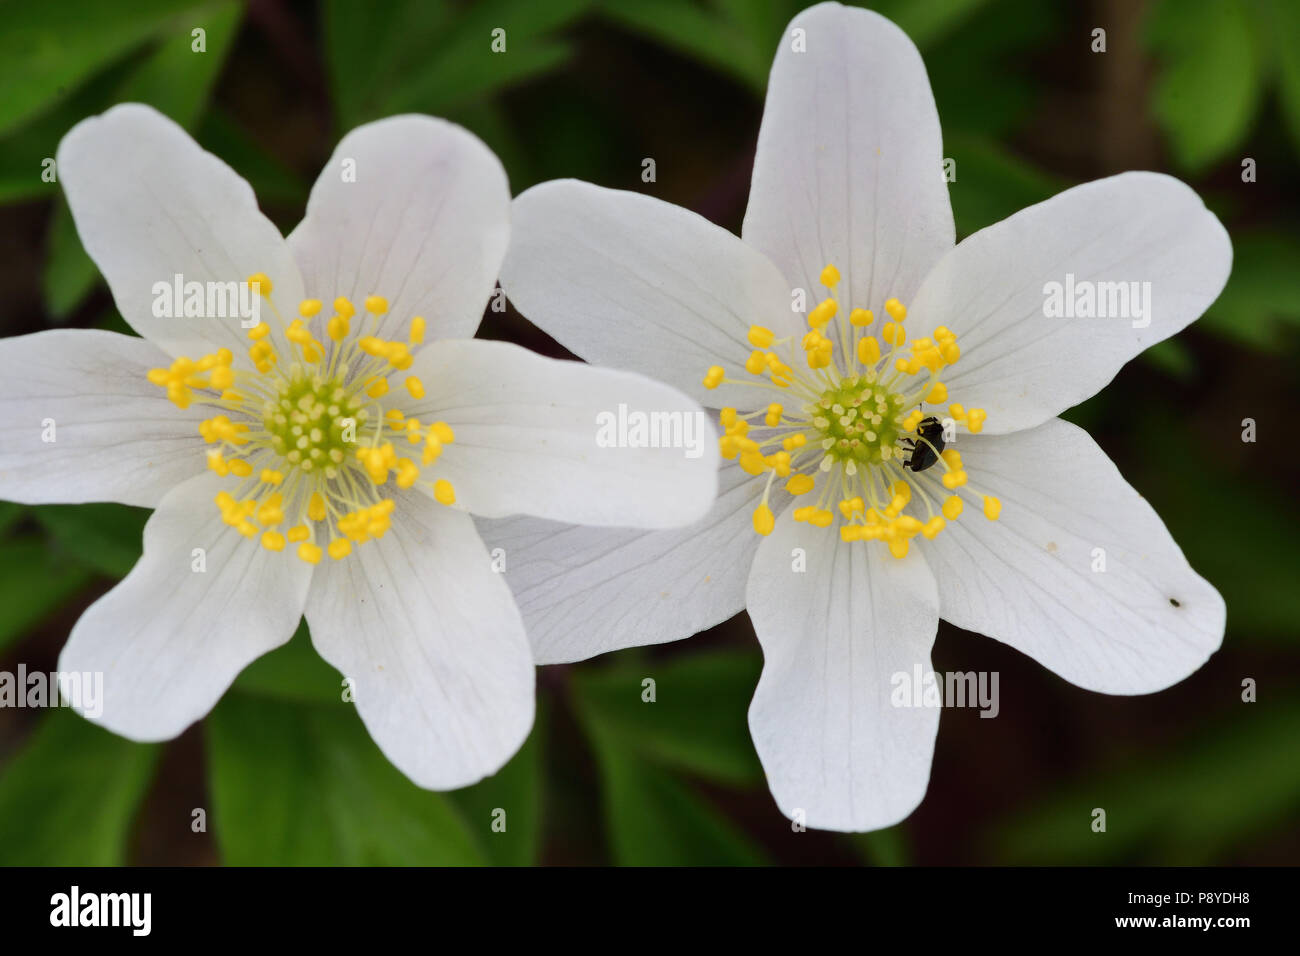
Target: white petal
<point x="1023" y="367"/>
<point x="80" y="422"/>
<point x="585" y="591"/>
<point x="834" y="638"/>
<point x="433" y="643"/>
<point x="1032" y="578"/>
<point x="529" y="433"/>
<point x="170" y="639"/>
<point x="150" y="204"/>
<point x="633" y="282"/>
<point x="849" y="163"/>
<point x="414" y="209"/>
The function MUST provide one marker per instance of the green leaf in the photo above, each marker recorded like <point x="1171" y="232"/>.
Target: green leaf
<point x="1280" y="23"/>
<point x="1263" y="290"/>
<point x="990" y="183"/>
<point x="69" y="273"/>
<point x="1211" y="80"/>
<point x="47" y="49"/>
<point x="177" y="80"/>
<point x="515" y="789"/>
<point x="696" y="722"/>
<point x="1230" y="785"/>
<point x="882" y="847"/>
<point x="439" y="58"/>
<point x="33" y="583"/>
<point x="1255" y="572"/>
<point x="293" y="672"/>
<point x="271" y="180"/>
<point x="107" y="538"/>
<point x="68" y="798"/>
<point x="653" y="819"/>
<point x="304" y="785"/>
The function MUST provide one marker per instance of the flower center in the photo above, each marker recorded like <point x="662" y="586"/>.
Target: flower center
<point x="857" y="424"/>
<point x="306" y="434"/>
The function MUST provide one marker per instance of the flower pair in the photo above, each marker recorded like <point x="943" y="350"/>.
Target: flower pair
<point x="885" y="400"/>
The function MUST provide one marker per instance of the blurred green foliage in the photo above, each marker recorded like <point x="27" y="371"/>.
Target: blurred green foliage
<point x="291" y="777"/>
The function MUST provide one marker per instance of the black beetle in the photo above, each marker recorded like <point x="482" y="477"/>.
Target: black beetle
<point x="924" y="456"/>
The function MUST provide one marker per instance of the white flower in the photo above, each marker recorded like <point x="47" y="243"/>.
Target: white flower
<point x="848" y="176"/>
<point x="265" y="509"/>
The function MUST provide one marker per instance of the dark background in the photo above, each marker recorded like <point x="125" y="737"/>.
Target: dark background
<point x="589" y="89"/>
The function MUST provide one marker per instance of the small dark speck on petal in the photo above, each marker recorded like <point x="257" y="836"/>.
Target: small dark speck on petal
<point x="1175" y="602"/>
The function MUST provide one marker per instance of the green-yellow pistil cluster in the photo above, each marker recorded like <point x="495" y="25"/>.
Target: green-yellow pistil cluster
<point x="853" y="429"/>
<point x="305" y="434"/>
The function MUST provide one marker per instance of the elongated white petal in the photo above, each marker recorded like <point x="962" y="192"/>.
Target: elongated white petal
<point x="560" y="440"/>
<point x="199" y="606"/>
<point x="431" y="639"/>
<point x="80" y="422"/>
<point x="839" y="739"/>
<point x="150" y="204"/>
<point x="414" y="209"/>
<point x="636" y="283"/>
<point x="1078" y="572"/>
<point x="1135" y="238"/>
<point x="585" y="591"/>
<point x="849" y="164"/>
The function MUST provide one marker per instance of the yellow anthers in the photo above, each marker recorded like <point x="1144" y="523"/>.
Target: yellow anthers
<point x="913" y="419"/>
<point x="378" y="461"/>
<point x="338" y="328"/>
<point x="756" y="362"/>
<point x="818" y="349"/>
<point x="821" y="518"/>
<point x="309" y="552"/>
<point x="394" y="415"/>
<point x="753" y="462"/>
<point x="764" y="520"/>
<point x="413" y="431"/>
<point x="713" y="378"/>
<point x="898" y="547"/>
<point x="795" y="441"/>
<point x="263" y="356"/>
<point x="861" y="318"/>
<point x="299" y="532"/>
<point x="316" y="506"/>
<point x="212" y="371"/>
<point x="851" y="506"/>
<point x="298" y="333"/>
<point x="954" y="479"/>
<point x="432" y="449"/>
<point x="377" y="387"/>
<point x="366" y="524"/>
<point x="260" y="283"/>
<point x="893" y="333"/>
<point x="271" y="511"/>
<point x="309" y="308"/>
<point x="932" y="528"/>
<point x="344" y="307"/>
<point x="339" y="548"/>
<point x="407" y="473"/>
<point x="259" y="331"/>
<point x="992" y="507"/>
<point x="443" y="492"/>
<point x="217" y="462"/>
<point x="897" y="311"/>
<point x="800" y="484"/>
<point x="444" y="432"/>
<point x="221" y="428"/>
<point x="938" y="393"/>
<point x="823" y="313"/>
<point x="951" y="458"/>
<point x="240" y="468"/>
<point x="868" y="350"/>
<point x="761" y="337"/>
<point x="773" y="416"/>
<point x="957" y="411"/>
<point x="830" y="276"/>
<point x="727" y="417"/>
<point x="376" y="304"/>
<point x="952" y="507"/>
<point x="416" y="335"/>
<point x="975" y="420"/>
<point x="271" y="477"/>
<point x="272" y="541"/>
<point x="414" y="386"/>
